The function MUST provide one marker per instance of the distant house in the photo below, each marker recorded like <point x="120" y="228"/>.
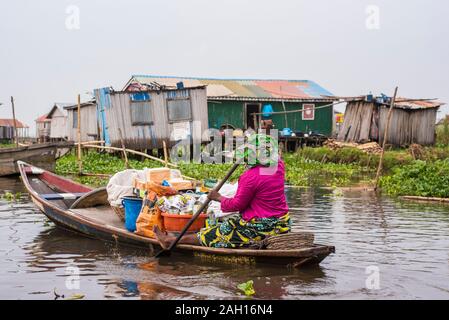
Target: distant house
<point x="52" y="126"/>
<point x="43" y="128"/>
<point x="412" y="120"/>
<point x="7" y="130"/>
<point x="145" y="116"/>
<point x="90" y="130"/>
<point x="231" y="103"/>
<point x="58" y="119"/>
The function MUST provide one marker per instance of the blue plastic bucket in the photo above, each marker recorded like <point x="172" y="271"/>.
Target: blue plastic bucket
<point x="267" y="111"/>
<point x="132" y="210"/>
<point x="287" y="132"/>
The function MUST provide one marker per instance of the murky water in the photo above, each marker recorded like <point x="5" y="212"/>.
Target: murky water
<point x="407" y="243"/>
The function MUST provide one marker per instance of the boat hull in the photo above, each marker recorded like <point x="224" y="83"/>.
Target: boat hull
<point x="40" y="155"/>
<point x="95" y="232"/>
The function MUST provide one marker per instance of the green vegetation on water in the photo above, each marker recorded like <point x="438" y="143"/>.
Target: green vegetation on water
<point x="98" y="163"/>
<point x="421" y="178"/>
<point x="423" y="172"/>
<point x="247" y="287"/>
<point x="299" y="171"/>
<point x="11" y="197"/>
<point x="7" y="145"/>
<point x="392" y="158"/>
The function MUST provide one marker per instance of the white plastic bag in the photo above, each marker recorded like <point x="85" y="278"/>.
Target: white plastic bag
<point x="121" y="185"/>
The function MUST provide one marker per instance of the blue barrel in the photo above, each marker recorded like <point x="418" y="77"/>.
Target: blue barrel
<point x="132" y="211"/>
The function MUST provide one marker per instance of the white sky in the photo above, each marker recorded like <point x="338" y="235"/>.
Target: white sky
<point x="42" y="61"/>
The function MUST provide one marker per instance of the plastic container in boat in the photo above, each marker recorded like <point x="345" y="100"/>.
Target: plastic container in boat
<point x="176" y="222"/>
<point x="132" y="206"/>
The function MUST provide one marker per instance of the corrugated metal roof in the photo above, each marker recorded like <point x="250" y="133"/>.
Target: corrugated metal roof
<point x="401" y="102"/>
<point x="61" y="105"/>
<point x="417" y="104"/>
<point x="82" y="105"/>
<point x="244" y="88"/>
<point x="10" y="123"/>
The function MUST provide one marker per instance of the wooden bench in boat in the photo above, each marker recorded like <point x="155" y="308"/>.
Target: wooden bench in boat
<point x="62" y="196"/>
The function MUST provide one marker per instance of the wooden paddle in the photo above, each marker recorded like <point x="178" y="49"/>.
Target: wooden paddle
<point x="167" y="252"/>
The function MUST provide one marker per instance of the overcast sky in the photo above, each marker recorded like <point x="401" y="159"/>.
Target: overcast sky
<point x="46" y="57"/>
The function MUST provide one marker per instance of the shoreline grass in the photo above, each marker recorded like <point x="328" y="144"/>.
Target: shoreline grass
<point x="422" y="174"/>
<point x="299" y="171"/>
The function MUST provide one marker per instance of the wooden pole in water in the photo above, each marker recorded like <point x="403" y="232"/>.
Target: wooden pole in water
<point x="129" y="151"/>
<point x="123" y="148"/>
<point x="165" y="153"/>
<point x="384" y="142"/>
<point x="80" y="163"/>
<point x="16" y="138"/>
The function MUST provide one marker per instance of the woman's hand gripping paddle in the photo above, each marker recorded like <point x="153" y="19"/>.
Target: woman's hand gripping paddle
<point x="167" y="252"/>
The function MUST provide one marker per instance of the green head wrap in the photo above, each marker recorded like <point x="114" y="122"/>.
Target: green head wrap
<point x="260" y="149"/>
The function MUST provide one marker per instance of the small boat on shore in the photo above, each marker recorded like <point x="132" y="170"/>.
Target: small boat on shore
<point x="85" y="210"/>
<point x="42" y="155"/>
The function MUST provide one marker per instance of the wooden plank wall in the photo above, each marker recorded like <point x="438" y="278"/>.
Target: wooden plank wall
<point x="58" y="126"/>
<point x="408" y="126"/>
<point x="89" y="125"/>
<point x="140" y="137"/>
<point x="357" y="122"/>
<point x="366" y="122"/>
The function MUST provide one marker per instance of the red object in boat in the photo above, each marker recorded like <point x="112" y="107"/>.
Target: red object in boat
<point x="176" y="222"/>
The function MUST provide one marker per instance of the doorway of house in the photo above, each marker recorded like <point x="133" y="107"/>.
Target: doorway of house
<point x="251" y="108"/>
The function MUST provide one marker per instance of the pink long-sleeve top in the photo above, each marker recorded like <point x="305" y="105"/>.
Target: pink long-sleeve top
<point x="259" y="194"/>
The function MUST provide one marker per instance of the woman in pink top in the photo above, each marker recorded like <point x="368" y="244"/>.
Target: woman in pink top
<point x="258" y="195"/>
<point x="261" y="202"/>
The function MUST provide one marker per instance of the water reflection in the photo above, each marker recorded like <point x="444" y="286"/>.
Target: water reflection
<point x="132" y="273"/>
<point x="408" y="242"/>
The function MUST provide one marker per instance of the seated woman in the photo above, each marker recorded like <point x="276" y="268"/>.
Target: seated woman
<point x="261" y="202"/>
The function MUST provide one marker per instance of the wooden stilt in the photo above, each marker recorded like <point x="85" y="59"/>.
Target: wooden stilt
<point x="123" y="148"/>
<point x="165" y="153"/>
<point x="80" y="163"/>
<point x="390" y="112"/>
<point x="16" y="138"/>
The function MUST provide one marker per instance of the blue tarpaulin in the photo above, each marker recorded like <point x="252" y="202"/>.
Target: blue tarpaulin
<point x="103" y="101"/>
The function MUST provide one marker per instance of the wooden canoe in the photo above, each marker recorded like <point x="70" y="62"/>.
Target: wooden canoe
<point x="64" y="202"/>
<point x="42" y="155"/>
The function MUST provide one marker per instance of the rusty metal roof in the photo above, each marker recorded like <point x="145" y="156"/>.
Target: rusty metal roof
<point x="401" y="102"/>
<point x="244" y="89"/>
<point x="417" y="104"/>
<point x="10" y="123"/>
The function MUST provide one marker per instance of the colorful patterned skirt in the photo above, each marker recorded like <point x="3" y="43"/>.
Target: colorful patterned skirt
<point x="236" y="232"/>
